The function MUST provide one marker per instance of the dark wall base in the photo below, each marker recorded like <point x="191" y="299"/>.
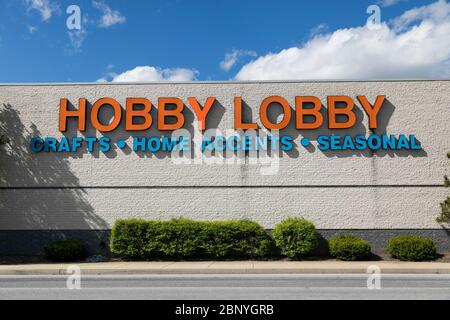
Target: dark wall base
<point x="31" y="242"/>
<point x="379" y="238"/>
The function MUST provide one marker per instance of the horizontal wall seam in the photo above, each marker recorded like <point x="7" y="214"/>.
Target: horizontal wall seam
<point x="228" y="187"/>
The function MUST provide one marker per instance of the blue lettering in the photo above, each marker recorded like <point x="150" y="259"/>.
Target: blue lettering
<point x="36" y="144"/>
<point x="104" y="145"/>
<point x="323" y="143"/>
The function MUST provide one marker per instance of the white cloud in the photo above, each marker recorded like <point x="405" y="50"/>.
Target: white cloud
<point x="319" y="29"/>
<point x="436" y="13"/>
<point x="109" y="17"/>
<point x="149" y="73"/>
<point x="232" y="57"/>
<point x="44" y="7"/>
<point x="76" y="38"/>
<point x="388" y="3"/>
<point x="32" y="29"/>
<point x="399" y="49"/>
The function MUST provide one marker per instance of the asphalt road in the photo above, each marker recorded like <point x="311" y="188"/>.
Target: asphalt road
<point x="232" y="286"/>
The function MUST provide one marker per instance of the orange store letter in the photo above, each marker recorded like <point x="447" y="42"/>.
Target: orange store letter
<point x="144" y="113"/>
<point x="300" y="112"/>
<point x="333" y="111"/>
<point x="64" y="113"/>
<point x="372" y="112"/>
<point x="286" y="113"/>
<point x="116" y="118"/>
<point x="201" y="113"/>
<point x="238" y="124"/>
<point x="163" y="113"/>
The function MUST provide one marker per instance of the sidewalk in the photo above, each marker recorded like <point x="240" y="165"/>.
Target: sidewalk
<point x="223" y="267"/>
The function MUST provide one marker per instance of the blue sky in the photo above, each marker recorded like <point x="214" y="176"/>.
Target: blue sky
<point x="188" y="40"/>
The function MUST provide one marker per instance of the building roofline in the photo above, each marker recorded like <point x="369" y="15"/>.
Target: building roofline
<point x="216" y="82"/>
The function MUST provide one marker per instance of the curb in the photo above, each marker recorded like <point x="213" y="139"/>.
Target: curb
<point x="211" y="267"/>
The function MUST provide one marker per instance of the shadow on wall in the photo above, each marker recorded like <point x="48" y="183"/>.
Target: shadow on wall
<point x="25" y="206"/>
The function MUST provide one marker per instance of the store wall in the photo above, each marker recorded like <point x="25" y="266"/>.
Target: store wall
<point x="340" y="190"/>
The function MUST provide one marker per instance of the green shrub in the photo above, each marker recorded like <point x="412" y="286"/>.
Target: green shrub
<point x="412" y="248"/>
<point x="349" y="248"/>
<point x="66" y="250"/>
<point x="297" y="237"/>
<point x="188" y="239"/>
<point x="128" y="237"/>
<point x="238" y="239"/>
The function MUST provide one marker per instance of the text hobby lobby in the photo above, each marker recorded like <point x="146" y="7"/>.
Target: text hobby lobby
<point x="265" y="131"/>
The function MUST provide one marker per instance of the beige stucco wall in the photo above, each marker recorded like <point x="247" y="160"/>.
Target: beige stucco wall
<point x="340" y="190"/>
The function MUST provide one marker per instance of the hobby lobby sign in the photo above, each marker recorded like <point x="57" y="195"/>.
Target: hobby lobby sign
<point x="306" y="113"/>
